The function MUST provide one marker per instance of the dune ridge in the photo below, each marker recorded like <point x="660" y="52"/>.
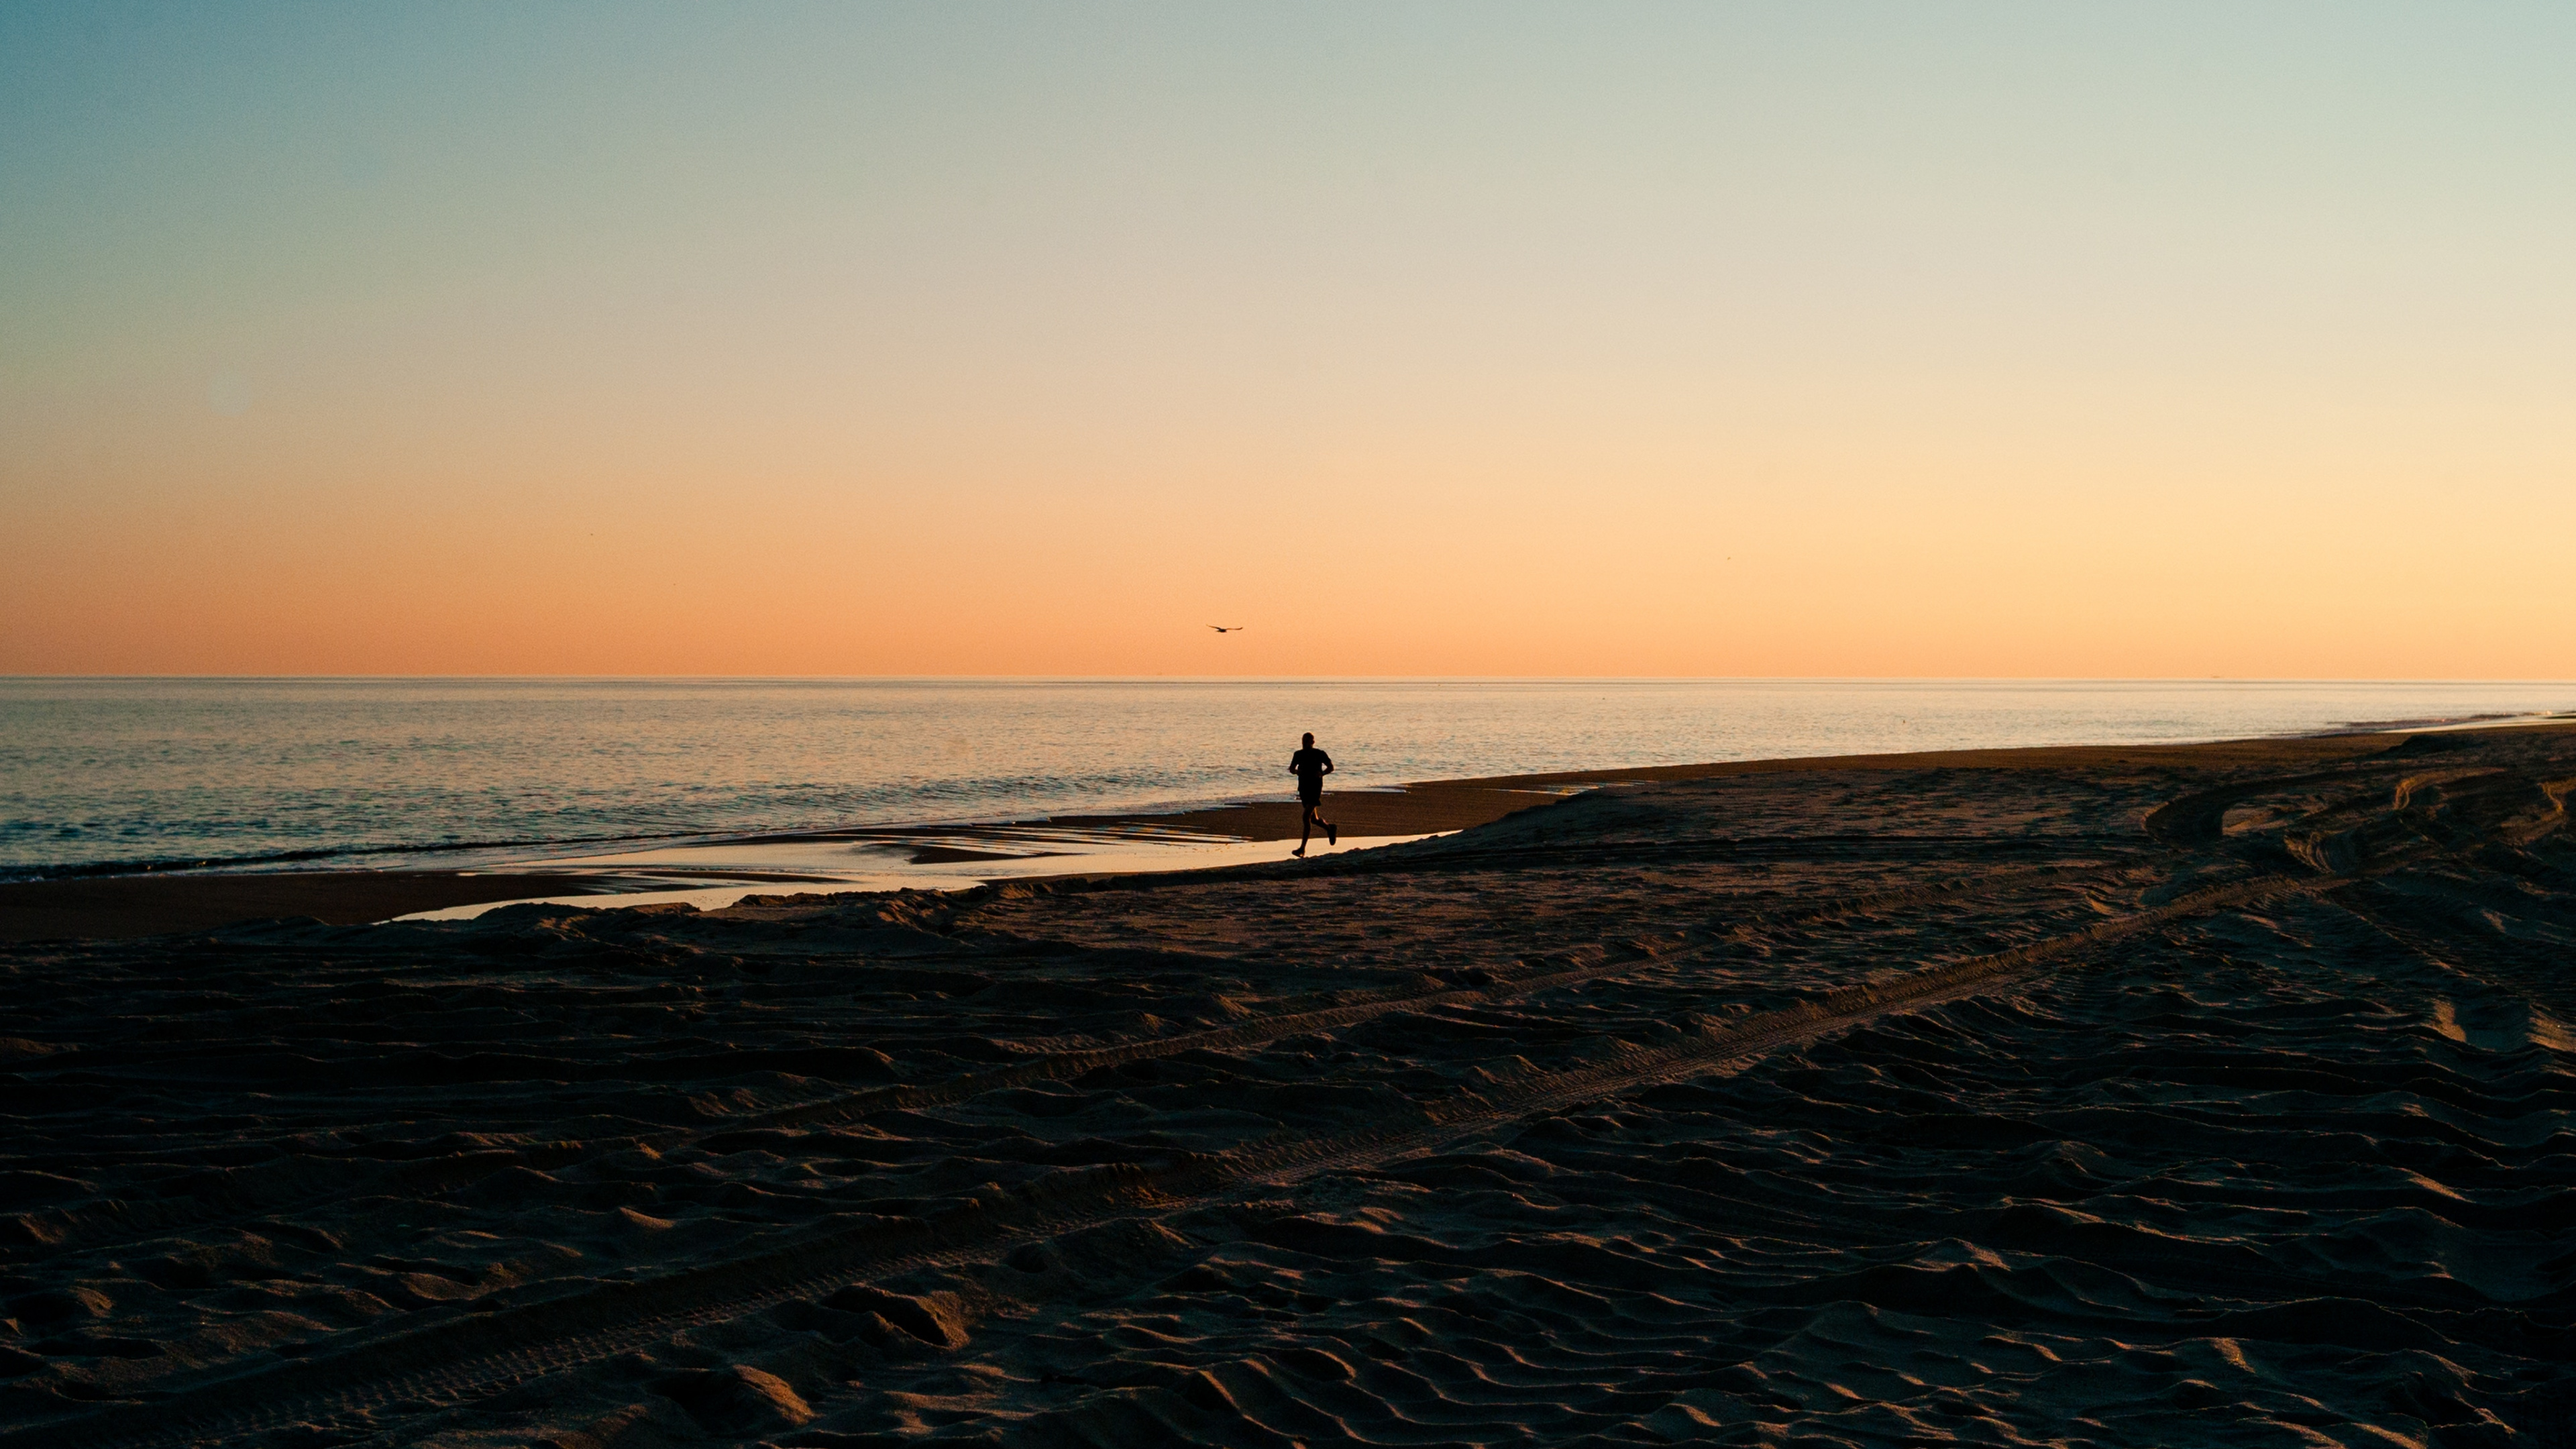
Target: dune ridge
<point x="2122" y="1097"/>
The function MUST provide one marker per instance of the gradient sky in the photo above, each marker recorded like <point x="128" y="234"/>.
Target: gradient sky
<point x="1814" y="339"/>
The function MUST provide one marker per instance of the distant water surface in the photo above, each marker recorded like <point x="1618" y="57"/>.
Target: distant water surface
<point x="125" y="772"/>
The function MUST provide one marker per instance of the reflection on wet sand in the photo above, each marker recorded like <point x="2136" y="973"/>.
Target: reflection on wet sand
<point x="717" y="874"/>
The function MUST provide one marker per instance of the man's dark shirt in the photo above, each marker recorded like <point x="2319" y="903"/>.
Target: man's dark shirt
<point x="1310" y="766"/>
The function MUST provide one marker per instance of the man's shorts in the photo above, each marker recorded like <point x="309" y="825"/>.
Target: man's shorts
<point x="1310" y="794"/>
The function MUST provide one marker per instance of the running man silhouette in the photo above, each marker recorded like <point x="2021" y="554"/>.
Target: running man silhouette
<point x="1310" y="766"/>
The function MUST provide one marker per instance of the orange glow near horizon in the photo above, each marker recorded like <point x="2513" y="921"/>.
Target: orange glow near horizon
<point x="1767" y="349"/>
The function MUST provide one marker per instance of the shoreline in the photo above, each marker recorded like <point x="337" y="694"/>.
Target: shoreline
<point x="110" y="907"/>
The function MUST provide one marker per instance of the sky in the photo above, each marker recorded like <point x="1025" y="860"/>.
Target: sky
<point x="1825" y="339"/>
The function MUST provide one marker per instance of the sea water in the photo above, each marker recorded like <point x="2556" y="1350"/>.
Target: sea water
<point x="108" y="774"/>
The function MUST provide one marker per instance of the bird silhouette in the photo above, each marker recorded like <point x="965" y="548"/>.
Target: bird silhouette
<point x="1225" y="628"/>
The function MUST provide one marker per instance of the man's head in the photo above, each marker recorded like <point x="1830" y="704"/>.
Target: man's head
<point x="1310" y="741"/>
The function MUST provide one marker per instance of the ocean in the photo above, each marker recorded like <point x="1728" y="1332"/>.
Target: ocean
<point x="105" y="775"/>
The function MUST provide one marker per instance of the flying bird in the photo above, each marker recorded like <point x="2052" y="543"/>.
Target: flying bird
<point x="1225" y="628"/>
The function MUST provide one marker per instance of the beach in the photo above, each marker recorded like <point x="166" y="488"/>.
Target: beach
<point x="114" y="906"/>
<point x="120" y="906"/>
<point x="2172" y="1094"/>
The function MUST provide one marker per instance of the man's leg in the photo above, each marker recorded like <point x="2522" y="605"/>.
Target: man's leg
<point x="1305" y="826"/>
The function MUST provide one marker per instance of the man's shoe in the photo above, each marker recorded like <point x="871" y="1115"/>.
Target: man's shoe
<point x="1300" y="850"/>
<point x="1332" y="835"/>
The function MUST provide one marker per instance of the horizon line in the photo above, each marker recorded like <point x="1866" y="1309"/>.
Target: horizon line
<point x="1315" y="678"/>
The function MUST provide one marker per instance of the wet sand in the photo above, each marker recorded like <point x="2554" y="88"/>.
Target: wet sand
<point x="2172" y="1096"/>
<point x="119" y="907"/>
<point x="152" y="905"/>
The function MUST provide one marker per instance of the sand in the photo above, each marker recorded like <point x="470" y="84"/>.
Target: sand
<point x="115" y="907"/>
<point x="2214" y="1096"/>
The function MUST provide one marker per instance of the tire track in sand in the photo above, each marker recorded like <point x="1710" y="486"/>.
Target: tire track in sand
<point x="310" y="1183"/>
<point x="1603" y="963"/>
<point x="462" y="1360"/>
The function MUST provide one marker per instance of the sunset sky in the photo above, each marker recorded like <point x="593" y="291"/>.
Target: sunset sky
<point x="1812" y="339"/>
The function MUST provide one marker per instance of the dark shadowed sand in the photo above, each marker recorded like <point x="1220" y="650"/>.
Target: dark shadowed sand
<point x="153" y="905"/>
<point x="2120" y="1097"/>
